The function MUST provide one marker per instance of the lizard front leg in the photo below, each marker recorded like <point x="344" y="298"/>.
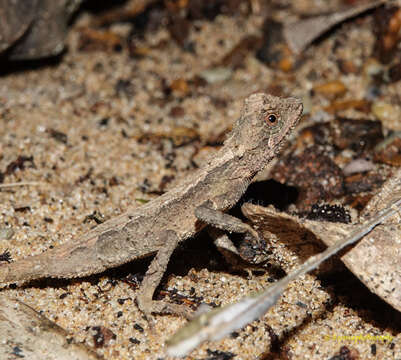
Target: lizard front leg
<point x="222" y="221"/>
<point x="226" y="248"/>
<point x="153" y="277"/>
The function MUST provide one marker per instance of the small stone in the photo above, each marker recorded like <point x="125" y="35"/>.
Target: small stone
<point x="347" y="67"/>
<point x="180" y="87"/>
<point x="331" y="88"/>
<point x="139" y="328"/>
<point x="6" y="233"/>
<point x="216" y="75"/>
<point x="177" y="111"/>
<point x="58" y="136"/>
<point x="389" y="151"/>
<point x="388" y="114"/>
<point x="134" y="341"/>
<point x="286" y="64"/>
<point x="371" y="68"/>
<point x="358" y="166"/>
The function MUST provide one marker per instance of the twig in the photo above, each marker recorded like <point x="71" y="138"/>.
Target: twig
<point x="22" y="183"/>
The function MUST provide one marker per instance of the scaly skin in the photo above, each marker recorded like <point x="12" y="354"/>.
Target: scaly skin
<point x="256" y="138"/>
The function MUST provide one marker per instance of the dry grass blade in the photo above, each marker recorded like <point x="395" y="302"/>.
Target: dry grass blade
<point x="25" y="183"/>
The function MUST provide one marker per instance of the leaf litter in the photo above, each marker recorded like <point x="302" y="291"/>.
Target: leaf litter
<point x="375" y="260"/>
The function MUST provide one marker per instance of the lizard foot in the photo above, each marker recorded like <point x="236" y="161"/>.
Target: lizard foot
<point x="221" y="221"/>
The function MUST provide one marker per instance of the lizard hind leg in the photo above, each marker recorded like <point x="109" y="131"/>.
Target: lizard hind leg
<point x="152" y="279"/>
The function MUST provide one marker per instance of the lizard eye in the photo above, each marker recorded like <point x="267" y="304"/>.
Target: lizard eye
<point x="271" y="119"/>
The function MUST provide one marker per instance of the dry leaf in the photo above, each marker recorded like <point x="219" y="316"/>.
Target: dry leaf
<point x="219" y="322"/>
<point x="302" y="33"/>
<point x="375" y="260"/>
<point x="25" y="333"/>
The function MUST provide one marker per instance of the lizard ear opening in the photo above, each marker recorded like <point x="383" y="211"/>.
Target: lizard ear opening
<point x="271" y="119"/>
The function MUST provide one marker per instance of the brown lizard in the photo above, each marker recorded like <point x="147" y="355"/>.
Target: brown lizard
<point x="160" y="225"/>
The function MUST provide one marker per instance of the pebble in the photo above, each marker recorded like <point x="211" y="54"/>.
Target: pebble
<point x="217" y="74"/>
<point x="331" y="88"/>
<point x="389" y="150"/>
<point x="388" y="114"/>
<point x="358" y="166"/>
<point x="6" y="233"/>
<point x="372" y="67"/>
<point x="180" y="86"/>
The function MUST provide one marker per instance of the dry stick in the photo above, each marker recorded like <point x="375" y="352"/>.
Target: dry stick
<point x="220" y="322"/>
<point x="26" y="183"/>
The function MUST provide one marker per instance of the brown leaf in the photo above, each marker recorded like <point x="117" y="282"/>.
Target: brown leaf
<point x="315" y="175"/>
<point x="331" y="88"/>
<point x="361" y="105"/>
<point x="357" y="135"/>
<point x="127" y="11"/>
<point x="235" y="58"/>
<point x="27" y="334"/>
<point x="99" y="40"/>
<point x="302" y="33"/>
<point x="47" y="22"/>
<point x="15" y="18"/>
<point x="375" y="260"/>
<point x="387" y="27"/>
<point x="390" y="152"/>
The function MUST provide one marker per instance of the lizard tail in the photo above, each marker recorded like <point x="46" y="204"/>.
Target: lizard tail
<point x="65" y="261"/>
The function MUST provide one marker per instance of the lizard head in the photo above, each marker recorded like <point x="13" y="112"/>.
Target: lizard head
<point x="264" y="123"/>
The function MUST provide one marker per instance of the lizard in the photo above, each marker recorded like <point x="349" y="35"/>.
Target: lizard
<point x="157" y="227"/>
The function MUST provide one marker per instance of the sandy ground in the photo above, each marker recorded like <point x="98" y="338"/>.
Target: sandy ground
<point x="81" y="118"/>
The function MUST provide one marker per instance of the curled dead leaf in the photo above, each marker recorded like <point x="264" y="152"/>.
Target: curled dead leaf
<point x="375" y="260"/>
